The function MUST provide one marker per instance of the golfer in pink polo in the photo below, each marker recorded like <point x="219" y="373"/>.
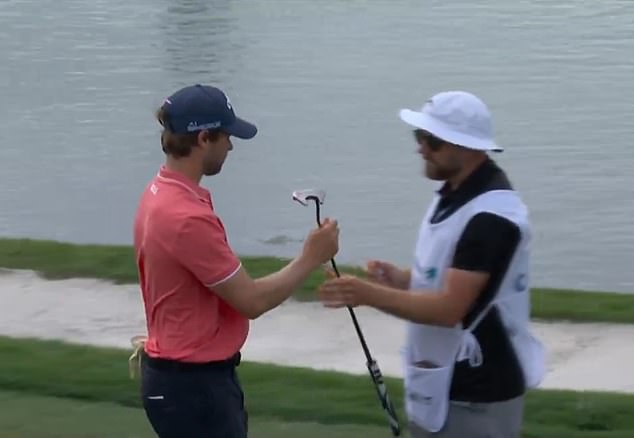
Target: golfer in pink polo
<point x="198" y="297"/>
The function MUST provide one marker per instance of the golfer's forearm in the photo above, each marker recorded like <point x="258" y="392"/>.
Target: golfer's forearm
<point x="418" y="307"/>
<point x="274" y="289"/>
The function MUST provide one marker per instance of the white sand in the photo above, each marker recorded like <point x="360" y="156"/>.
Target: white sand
<point x="582" y="356"/>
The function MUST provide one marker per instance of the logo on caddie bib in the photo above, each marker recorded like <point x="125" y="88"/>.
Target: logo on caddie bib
<point x="430" y="273"/>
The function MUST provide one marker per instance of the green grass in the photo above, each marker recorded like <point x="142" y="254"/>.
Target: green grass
<point x="313" y="403"/>
<point x="56" y="260"/>
<point x="583" y="306"/>
<point x="26" y="415"/>
<point x="32" y="416"/>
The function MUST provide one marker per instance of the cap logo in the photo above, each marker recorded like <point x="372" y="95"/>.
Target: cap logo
<point x="194" y="126"/>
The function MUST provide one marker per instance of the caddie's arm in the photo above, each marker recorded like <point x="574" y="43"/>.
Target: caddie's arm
<point x="484" y="249"/>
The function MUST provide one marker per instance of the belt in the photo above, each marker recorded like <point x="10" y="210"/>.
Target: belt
<point x="179" y="366"/>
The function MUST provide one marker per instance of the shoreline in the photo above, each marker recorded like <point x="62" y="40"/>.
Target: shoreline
<point x="55" y="260"/>
<point x="99" y="313"/>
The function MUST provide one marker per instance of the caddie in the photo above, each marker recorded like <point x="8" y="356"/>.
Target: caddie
<point x="469" y="355"/>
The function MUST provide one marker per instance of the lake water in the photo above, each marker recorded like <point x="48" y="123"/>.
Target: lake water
<point x="324" y="81"/>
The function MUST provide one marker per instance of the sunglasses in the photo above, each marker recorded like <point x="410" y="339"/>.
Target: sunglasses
<point x="430" y="140"/>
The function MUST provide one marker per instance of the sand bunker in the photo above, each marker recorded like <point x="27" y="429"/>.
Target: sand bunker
<point x="582" y="356"/>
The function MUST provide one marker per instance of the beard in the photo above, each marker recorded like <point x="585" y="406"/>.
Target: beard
<point x="212" y="168"/>
<point x="438" y="172"/>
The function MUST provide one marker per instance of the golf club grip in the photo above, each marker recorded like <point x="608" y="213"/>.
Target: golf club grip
<point x="318" y="218"/>
<point x="386" y="402"/>
<point x="377" y="378"/>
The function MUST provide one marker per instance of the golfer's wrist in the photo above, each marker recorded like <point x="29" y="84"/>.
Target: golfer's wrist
<point x="306" y="264"/>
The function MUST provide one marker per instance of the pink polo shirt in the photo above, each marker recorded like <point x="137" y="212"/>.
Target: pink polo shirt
<point x="181" y="253"/>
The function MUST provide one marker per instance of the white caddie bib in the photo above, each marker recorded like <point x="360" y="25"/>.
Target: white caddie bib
<point x="430" y="352"/>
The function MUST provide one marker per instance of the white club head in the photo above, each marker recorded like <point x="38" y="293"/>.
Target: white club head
<point x="303" y="196"/>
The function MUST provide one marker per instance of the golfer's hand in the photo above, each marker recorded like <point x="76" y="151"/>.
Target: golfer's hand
<point x="347" y="290"/>
<point x="322" y="243"/>
<point x="387" y="274"/>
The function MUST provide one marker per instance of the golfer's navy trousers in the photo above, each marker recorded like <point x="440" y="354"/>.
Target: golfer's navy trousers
<point x="193" y="400"/>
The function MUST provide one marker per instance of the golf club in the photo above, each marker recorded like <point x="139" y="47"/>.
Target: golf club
<point x="318" y="196"/>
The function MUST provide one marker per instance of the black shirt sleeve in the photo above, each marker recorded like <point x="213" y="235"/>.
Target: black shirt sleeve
<point x="487" y="244"/>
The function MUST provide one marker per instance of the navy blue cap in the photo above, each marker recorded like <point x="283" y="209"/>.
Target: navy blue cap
<point x="197" y="107"/>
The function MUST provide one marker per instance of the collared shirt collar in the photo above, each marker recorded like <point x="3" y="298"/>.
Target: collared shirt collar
<point x="177" y="177"/>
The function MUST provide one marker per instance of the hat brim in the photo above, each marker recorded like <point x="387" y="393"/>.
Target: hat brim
<point x="241" y="128"/>
<point x="439" y="129"/>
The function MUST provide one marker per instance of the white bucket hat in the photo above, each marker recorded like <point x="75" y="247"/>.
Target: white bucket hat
<point x="457" y="117"/>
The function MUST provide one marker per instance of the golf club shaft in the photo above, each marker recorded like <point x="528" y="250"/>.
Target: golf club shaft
<point x="373" y="367"/>
<point x="364" y="345"/>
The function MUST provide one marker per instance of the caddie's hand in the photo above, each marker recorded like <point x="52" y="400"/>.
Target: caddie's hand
<point x="382" y="272"/>
<point x="347" y="290"/>
<point x="387" y="273"/>
<point x="322" y="243"/>
<point x="379" y="272"/>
